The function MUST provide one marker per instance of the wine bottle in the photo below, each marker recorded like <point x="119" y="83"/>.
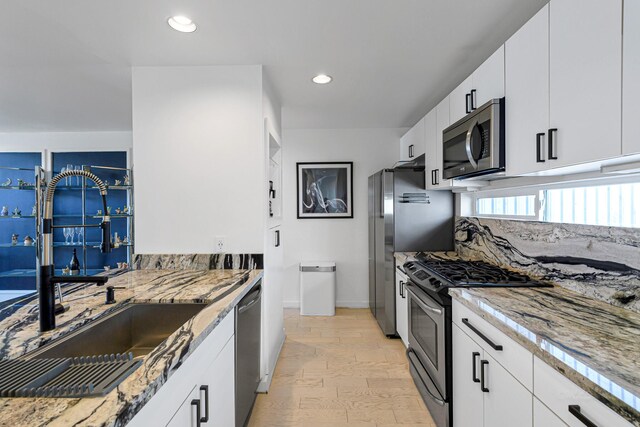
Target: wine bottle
<point x="75" y="264"/>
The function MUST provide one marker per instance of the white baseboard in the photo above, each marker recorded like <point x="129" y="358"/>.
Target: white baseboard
<point x="265" y="382"/>
<point x="339" y="304"/>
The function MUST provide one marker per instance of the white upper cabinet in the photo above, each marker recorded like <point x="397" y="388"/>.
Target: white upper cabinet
<point x="585" y="80"/>
<point x="412" y="143"/>
<point x="437" y="122"/>
<point x="631" y="78"/>
<point x="527" y="96"/>
<point x="487" y="82"/>
<point x="460" y="101"/>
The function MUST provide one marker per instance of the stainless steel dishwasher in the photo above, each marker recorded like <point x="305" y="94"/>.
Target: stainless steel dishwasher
<point x="248" y="319"/>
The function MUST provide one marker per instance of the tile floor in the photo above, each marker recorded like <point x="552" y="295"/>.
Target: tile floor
<point x="340" y="371"/>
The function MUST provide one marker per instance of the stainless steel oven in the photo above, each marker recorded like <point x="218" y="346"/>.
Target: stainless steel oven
<point x="429" y="352"/>
<point x="474" y="145"/>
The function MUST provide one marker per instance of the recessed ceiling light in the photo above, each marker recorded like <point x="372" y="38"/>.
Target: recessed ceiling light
<point x="322" y="79"/>
<point x="182" y="24"/>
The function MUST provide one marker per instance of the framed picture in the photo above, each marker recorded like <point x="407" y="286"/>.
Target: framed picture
<point x="325" y="190"/>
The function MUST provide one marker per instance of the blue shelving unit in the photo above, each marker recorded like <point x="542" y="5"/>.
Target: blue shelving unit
<point x="76" y="202"/>
<point x="17" y="190"/>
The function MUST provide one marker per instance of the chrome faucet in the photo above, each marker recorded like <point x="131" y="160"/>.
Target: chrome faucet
<point x="47" y="279"/>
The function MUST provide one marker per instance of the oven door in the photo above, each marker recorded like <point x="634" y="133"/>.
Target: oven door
<point x="427" y="335"/>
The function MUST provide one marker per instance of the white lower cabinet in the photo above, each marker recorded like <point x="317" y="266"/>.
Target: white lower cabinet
<point x="569" y="402"/>
<point x="484" y="393"/>
<point x="402" y="308"/>
<point x="204" y="383"/>
<point x="544" y="417"/>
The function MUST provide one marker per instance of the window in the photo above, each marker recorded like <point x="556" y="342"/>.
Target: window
<point x="616" y="204"/>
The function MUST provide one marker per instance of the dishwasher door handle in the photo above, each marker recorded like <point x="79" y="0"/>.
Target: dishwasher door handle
<point x="246" y="306"/>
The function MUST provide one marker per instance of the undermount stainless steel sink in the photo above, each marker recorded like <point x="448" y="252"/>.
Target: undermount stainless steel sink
<point x="136" y="328"/>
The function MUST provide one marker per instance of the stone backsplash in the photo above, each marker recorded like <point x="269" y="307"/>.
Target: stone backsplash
<point x="600" y="262"/>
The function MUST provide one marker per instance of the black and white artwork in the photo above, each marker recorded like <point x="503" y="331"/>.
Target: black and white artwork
<point x="325" y="190"/>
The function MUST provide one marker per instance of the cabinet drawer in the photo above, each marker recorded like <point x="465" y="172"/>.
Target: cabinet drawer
<point x="513" y="357"/>
<point x="544" y="417"/>
<point x="558" y="392"/>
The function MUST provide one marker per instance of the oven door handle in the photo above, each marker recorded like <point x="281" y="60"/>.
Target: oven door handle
<point x="413" y="290"/>
<point x="416" y="362"/>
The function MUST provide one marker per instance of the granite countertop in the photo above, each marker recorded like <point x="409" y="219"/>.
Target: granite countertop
<point x="594" y="344"/>
<point x="19" y="334"/>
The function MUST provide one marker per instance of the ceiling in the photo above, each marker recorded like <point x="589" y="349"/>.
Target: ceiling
<point x="65" y="65"/>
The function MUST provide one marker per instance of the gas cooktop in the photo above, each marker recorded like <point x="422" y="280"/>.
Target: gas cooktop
<point x="450" y="273"/>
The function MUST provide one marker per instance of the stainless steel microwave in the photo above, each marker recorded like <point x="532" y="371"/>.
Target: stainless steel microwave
<point x="474" y="145"/>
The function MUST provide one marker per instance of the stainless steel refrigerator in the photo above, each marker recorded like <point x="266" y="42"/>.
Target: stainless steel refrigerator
<point x="403" y="217"/>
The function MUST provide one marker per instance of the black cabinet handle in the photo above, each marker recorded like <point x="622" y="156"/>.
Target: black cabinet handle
<point x="483" y="363"/>
<point x="277" y="238"/>
<point x="411" y="151"/>
<point x="552" y="155"/>
<point x="404" y="290"/>
<point x="575" y="411"/>
<point x="205" y="388"/>
<point x="473" y="99"/>
<point x="539" y="157"/>
<point x="467" y="101"/>
<point x="481" y="335"/>
<point x="400" y="288"/>
<point x="474" y="357"/>
<point x="196" y="403"/>
<point x="433" y="174"/>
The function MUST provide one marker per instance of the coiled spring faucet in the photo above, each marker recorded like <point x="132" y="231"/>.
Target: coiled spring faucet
<point x="47" y="277"/>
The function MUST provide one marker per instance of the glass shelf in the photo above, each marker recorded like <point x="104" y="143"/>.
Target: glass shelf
<point x="18" y="273"/>
<point x="15" y="187"/>
<point x="93" y="245"/>
<point x="93" y="216"/>
<point x="19" y="245"/>
<point x="17" y="217"/>
<point x="90" y="187"/>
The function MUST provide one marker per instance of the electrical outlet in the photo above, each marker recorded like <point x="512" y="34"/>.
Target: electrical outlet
<point x="220" y="244"/>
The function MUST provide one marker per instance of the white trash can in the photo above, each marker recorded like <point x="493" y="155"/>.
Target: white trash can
<point x="318" y="288"/>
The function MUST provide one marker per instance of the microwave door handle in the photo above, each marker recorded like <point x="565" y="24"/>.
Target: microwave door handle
<point x="468" y="147"/>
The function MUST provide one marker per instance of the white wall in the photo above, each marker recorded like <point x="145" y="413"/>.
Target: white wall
<point x="344" y="241"/>
<point x="64" y="141"/>
<point x="199" y="162"/>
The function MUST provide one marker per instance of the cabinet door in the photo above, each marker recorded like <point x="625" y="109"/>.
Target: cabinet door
<point x="459" y="101"/>
<point x="442" y="122"/>
<point x="431" y="141"/>
<point x="487" y="82"/>
<point x="631" y="78"/>
<point x="412" y="143"/>
<point x="507" y="403"/>
<point x="190" y="409"/>
<point x="527" y="96"/>
<point x="543" y="417"/>
<point x="467" y="396"/>
<point x="585" y="80"/>
<point x="402" y="312"/>
<point x="220" y="382"/>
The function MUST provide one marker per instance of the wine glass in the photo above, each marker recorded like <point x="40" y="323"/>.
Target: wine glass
<point x="80" y="234"/>
<point x="66" y="180"/>
<point x="69" y="168"/>
<point x="78" y="178"/>
<point x="65" y="232"/>
<point x="71" y="234"/>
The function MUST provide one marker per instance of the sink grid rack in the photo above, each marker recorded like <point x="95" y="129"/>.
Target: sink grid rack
<point x="65" y="377"/>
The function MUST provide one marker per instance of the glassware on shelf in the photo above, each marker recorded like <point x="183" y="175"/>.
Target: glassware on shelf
<point x="71" y="234"/>
<point x="65" y="233"/>
<point x="80" y="234"/>
<point x="78" y="178"/>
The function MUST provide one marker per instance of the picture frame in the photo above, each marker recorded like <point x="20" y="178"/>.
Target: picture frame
<point x="325" y="190"/>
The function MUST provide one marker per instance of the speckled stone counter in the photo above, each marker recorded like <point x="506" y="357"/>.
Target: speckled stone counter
<point x="19" y="334"/>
